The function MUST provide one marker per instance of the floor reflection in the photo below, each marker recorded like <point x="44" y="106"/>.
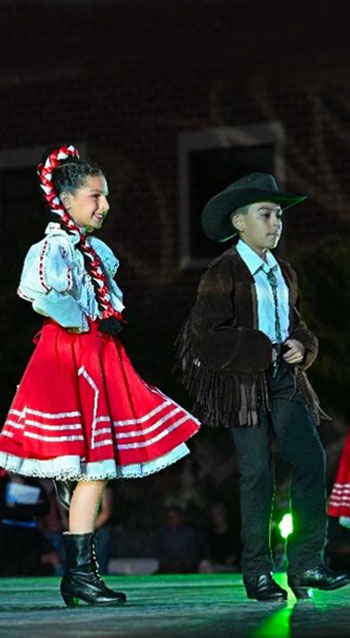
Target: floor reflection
<point x="324" y="617"/>
<point x="277" y="624"/>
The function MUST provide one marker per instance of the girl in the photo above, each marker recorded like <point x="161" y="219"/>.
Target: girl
<point x="81" y="412"/>
<point x="339" y="502"/>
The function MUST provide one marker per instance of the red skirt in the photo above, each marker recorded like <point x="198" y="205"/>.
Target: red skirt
<point x="339" y="502"/>
<point x="81" y="411"/>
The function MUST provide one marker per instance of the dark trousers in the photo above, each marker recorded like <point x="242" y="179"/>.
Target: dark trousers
<point x="291" y="424"/>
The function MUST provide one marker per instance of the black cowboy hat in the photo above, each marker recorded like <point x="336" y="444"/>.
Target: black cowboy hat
<point x="255" y="187"/>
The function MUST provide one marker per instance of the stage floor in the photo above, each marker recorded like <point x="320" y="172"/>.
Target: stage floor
<point x="169" y="606"/>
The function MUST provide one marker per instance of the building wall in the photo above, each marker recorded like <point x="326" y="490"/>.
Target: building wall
<point x="126" y="77"/>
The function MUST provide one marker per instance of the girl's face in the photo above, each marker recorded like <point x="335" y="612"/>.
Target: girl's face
<point x="88" y="206"/>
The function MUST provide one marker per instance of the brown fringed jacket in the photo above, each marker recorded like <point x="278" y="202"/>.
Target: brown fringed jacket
<point x="222" y="354"/>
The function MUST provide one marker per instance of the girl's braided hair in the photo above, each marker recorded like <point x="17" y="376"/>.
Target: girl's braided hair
<point x="61" y="169"/>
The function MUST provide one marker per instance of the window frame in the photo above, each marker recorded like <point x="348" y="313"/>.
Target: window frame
<point x="216" y="138"/>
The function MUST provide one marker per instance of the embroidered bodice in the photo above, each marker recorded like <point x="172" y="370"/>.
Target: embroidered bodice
<point x="54" y="279"/>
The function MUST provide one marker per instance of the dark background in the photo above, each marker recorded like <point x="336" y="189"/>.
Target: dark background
<point x="126" y="78"/>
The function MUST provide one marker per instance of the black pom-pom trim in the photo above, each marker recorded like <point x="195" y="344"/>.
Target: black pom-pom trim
<point x="111" y="326"/>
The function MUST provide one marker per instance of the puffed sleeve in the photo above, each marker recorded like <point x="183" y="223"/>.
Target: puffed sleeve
<point x="216" y="339"/>
<point x="46" y="281"/>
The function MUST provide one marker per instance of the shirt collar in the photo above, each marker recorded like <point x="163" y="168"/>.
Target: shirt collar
<point x="253" y="261"/>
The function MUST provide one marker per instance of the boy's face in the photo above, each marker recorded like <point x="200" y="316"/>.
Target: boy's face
<point x="261" y="226"/>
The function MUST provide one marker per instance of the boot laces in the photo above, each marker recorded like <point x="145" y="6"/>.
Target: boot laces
<point x="95" y="565"/>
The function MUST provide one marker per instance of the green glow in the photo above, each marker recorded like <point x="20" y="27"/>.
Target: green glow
<point x="285" y="526"/>
<point x="277" y="625"/>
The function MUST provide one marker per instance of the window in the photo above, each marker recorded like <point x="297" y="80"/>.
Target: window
<point x="209" y="161"/>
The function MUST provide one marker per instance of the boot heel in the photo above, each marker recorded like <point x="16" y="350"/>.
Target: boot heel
<point x="70" y="599"/>
<point x="302" y="593"/>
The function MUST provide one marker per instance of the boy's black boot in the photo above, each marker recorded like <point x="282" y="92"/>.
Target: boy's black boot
<point x="319" y="577"/>
<point x="263" y="587"/>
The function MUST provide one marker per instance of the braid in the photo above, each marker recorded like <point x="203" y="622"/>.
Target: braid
<point x="63" y="170"/>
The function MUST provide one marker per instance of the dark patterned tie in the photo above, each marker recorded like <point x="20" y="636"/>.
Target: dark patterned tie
<point x="274" y="284"/>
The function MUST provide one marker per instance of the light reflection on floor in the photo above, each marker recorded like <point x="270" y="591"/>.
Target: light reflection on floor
<point x="277" y="624"/>
<point x="170" y="606"/>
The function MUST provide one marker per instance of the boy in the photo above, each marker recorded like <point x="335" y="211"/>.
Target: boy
<point x="243" y="352"/>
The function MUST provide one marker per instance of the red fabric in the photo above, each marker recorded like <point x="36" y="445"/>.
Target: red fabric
<point x="339" y="502"/>
<point x="76" y="396"/>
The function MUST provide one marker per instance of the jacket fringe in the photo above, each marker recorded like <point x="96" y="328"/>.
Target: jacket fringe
<point x="226" y="399"/>
<point x="223" y="399"/>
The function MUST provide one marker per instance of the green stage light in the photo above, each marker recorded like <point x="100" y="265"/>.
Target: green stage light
<point x="285" y="525"/>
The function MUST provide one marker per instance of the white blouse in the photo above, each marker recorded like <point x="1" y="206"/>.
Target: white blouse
<point x="55" y="281"/>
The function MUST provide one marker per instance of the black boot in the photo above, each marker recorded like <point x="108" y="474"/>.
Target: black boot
<point x="81" y="579"/>
<point x="320" y="577"/>
<point x="263" y="587"/>
<point x="64" y="491"/>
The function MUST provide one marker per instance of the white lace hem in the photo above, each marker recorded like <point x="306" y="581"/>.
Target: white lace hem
<point x="72" y="468"/>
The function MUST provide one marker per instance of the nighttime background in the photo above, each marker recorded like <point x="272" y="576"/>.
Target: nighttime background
<point x="125" y="79"/>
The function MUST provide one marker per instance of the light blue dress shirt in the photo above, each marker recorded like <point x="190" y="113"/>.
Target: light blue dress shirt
<point x="266" y="308"/>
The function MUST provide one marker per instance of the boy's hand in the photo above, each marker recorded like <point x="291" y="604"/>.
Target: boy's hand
<point x="296" y="351"/>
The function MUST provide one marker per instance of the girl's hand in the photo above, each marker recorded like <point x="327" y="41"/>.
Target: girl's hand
<point x="75" y="331"/>
<point x="296" y="352"/>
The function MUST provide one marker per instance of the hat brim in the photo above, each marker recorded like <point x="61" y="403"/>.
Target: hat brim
<point x="216" y="213"/>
